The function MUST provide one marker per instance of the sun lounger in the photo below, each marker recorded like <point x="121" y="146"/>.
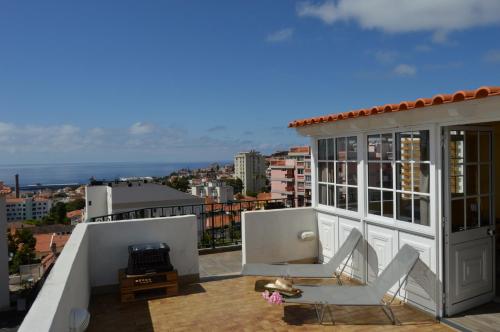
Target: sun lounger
<point x="322" y="296"/>
<point x="327" y="270"/>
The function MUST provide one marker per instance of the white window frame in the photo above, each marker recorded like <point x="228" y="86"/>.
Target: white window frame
<point x="359" y="169"/>
<point x="393" y="222"/>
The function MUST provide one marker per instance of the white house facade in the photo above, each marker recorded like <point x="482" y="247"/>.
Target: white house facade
<point x="421" y="173"/>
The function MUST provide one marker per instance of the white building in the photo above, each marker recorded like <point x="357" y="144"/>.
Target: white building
<point x="421" y="173"/>
<point x="114" y="197"/>
<point x="4" y="263"/>
<point x="250" y="167"/>
<point x="217" y="191"/>
<point x="27" y="208"/>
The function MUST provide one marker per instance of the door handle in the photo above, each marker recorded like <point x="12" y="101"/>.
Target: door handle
<point x="491" y="232"/>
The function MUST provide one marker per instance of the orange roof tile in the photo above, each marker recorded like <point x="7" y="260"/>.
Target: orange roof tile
<point x="482" y="92"/>
<point x="4" y="190"/>
<point x="76" y="213"/>
<point x="44" y="241"/>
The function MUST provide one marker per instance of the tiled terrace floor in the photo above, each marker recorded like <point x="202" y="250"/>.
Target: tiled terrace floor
<point x="232" y="304"/>
<point x="222" y="263"/>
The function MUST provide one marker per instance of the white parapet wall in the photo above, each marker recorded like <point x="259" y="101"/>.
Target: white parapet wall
<point x="92" y="257"/>
<point x="271" y="236"/>
<point x="109" y="243"/>
<point x="66" y="287"/>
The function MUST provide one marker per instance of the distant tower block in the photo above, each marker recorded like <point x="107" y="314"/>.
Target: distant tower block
<point x="17" y="186"/>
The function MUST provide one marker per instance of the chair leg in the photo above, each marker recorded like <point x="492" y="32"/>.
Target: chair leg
<point x="339" y="280"/>
<point x="389" y="313"/>
<point x="320" y="311"/>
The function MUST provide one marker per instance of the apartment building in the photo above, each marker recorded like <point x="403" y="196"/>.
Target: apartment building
<point x="215" y="190"/>
<point x="104" y="198"/>
<point x="250" y="167"/>
<point x="27" y="208"/>
<point x="4" y="263"/>
<point x="290" y="175"/>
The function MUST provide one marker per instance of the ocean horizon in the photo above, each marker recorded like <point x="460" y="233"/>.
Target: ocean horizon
<point x="66" y="173"/>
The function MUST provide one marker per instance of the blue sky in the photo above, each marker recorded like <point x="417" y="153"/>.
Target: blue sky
<point x="200" y="80"/>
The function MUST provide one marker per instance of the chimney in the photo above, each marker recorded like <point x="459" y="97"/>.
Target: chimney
<point x="17" y="185"/>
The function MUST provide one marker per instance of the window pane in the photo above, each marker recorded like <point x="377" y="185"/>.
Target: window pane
<point x="457" y="145"/>
<point x="374" y="175"/>
<point x="331" y="195"/>
<point x="374" y="206"/>
<point x="403" y="207"/>
<point x="331" y="172"/>
<point x="387" y="175"/>
<point x="421" y="145"/>
<point x="485" y="179"/>
<point x="322" y="199"/>
<point x="352" y="148"/>
<point x="341" y="173"/>
<point x="321" y="149"/>
<point x="403" y="176"/>
<point x="352" y="173"/>
<point x="421" y="210"/>
<point x="387" y="204"/>
<point x="403" y="146"/>
<point x="341" y="148"/>
<point x="485" y="214"/>
<point x="421" y="178"/>
<point x="484" y="146"/>
<point x="387" y="147"/>
<point x="322" y="172"/>
<point x="341" y="197"/>
<point x="352" y="199"/>
<point x="374" y="147"/>
<point x="472" y="179"/>
<point x="457" y="215"/>
<point x="331" y="150"/>
<point x="472" y="213"/>
<point x="471" y="146"/>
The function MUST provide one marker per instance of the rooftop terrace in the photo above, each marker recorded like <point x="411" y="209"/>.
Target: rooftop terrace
<point x="233" y="304"/>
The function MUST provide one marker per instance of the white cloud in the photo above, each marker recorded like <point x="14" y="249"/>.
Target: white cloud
<point x="405" y="70"/>
<point x="385" y="56"/>
<point x="280" y="35"/>
<point x="423" y="48"/>
<point x="141" y="128"/>
<point x="398" y="16"/>
<point x="492" y="56"/>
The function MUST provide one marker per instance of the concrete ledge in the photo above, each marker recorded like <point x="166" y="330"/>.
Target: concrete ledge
<point x="207" y="251"/>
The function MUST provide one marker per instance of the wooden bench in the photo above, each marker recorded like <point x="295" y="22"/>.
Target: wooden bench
<point x="147" y="286"/>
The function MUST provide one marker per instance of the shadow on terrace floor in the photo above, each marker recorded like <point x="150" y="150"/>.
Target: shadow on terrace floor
<point x="233" y="305"/>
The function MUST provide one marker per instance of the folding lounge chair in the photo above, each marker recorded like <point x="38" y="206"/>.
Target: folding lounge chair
<point x="322" y="296"/>
<point x="327" y="270"/>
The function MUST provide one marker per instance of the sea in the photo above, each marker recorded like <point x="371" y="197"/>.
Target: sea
<point x="80" y="173"/>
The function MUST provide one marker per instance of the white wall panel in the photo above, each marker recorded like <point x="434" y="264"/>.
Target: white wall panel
<point x="328" y="235"/>
<point x="423" y="282"/>
<point x="381" y="249"/>
<point x="355" y="266"/>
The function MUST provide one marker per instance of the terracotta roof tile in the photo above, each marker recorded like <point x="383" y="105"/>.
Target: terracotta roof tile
<point x="4" y="190"/>
<point x="482" y="92"/>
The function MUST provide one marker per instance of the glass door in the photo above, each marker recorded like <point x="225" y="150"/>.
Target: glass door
<point x="469" y="235"/>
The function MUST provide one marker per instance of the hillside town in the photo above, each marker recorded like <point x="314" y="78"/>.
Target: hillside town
<point x="40" y="221"/>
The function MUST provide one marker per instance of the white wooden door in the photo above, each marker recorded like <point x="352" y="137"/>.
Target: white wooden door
<point x="327" y="237"/>
<point x="469" y="227"/>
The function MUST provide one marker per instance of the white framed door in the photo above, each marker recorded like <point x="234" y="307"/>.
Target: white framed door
<point x="469" y="224"/>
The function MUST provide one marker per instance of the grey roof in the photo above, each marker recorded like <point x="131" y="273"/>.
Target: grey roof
<point x="152" y="193"/>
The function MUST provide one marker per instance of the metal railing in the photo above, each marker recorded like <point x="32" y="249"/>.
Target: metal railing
<point x="219" y="224"/>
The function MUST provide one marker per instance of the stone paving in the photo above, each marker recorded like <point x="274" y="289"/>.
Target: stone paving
<point x="220" y="264"/>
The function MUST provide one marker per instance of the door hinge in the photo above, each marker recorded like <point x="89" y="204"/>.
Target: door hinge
<point x="444" y="299"/>
<point x="443" y="222"/>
